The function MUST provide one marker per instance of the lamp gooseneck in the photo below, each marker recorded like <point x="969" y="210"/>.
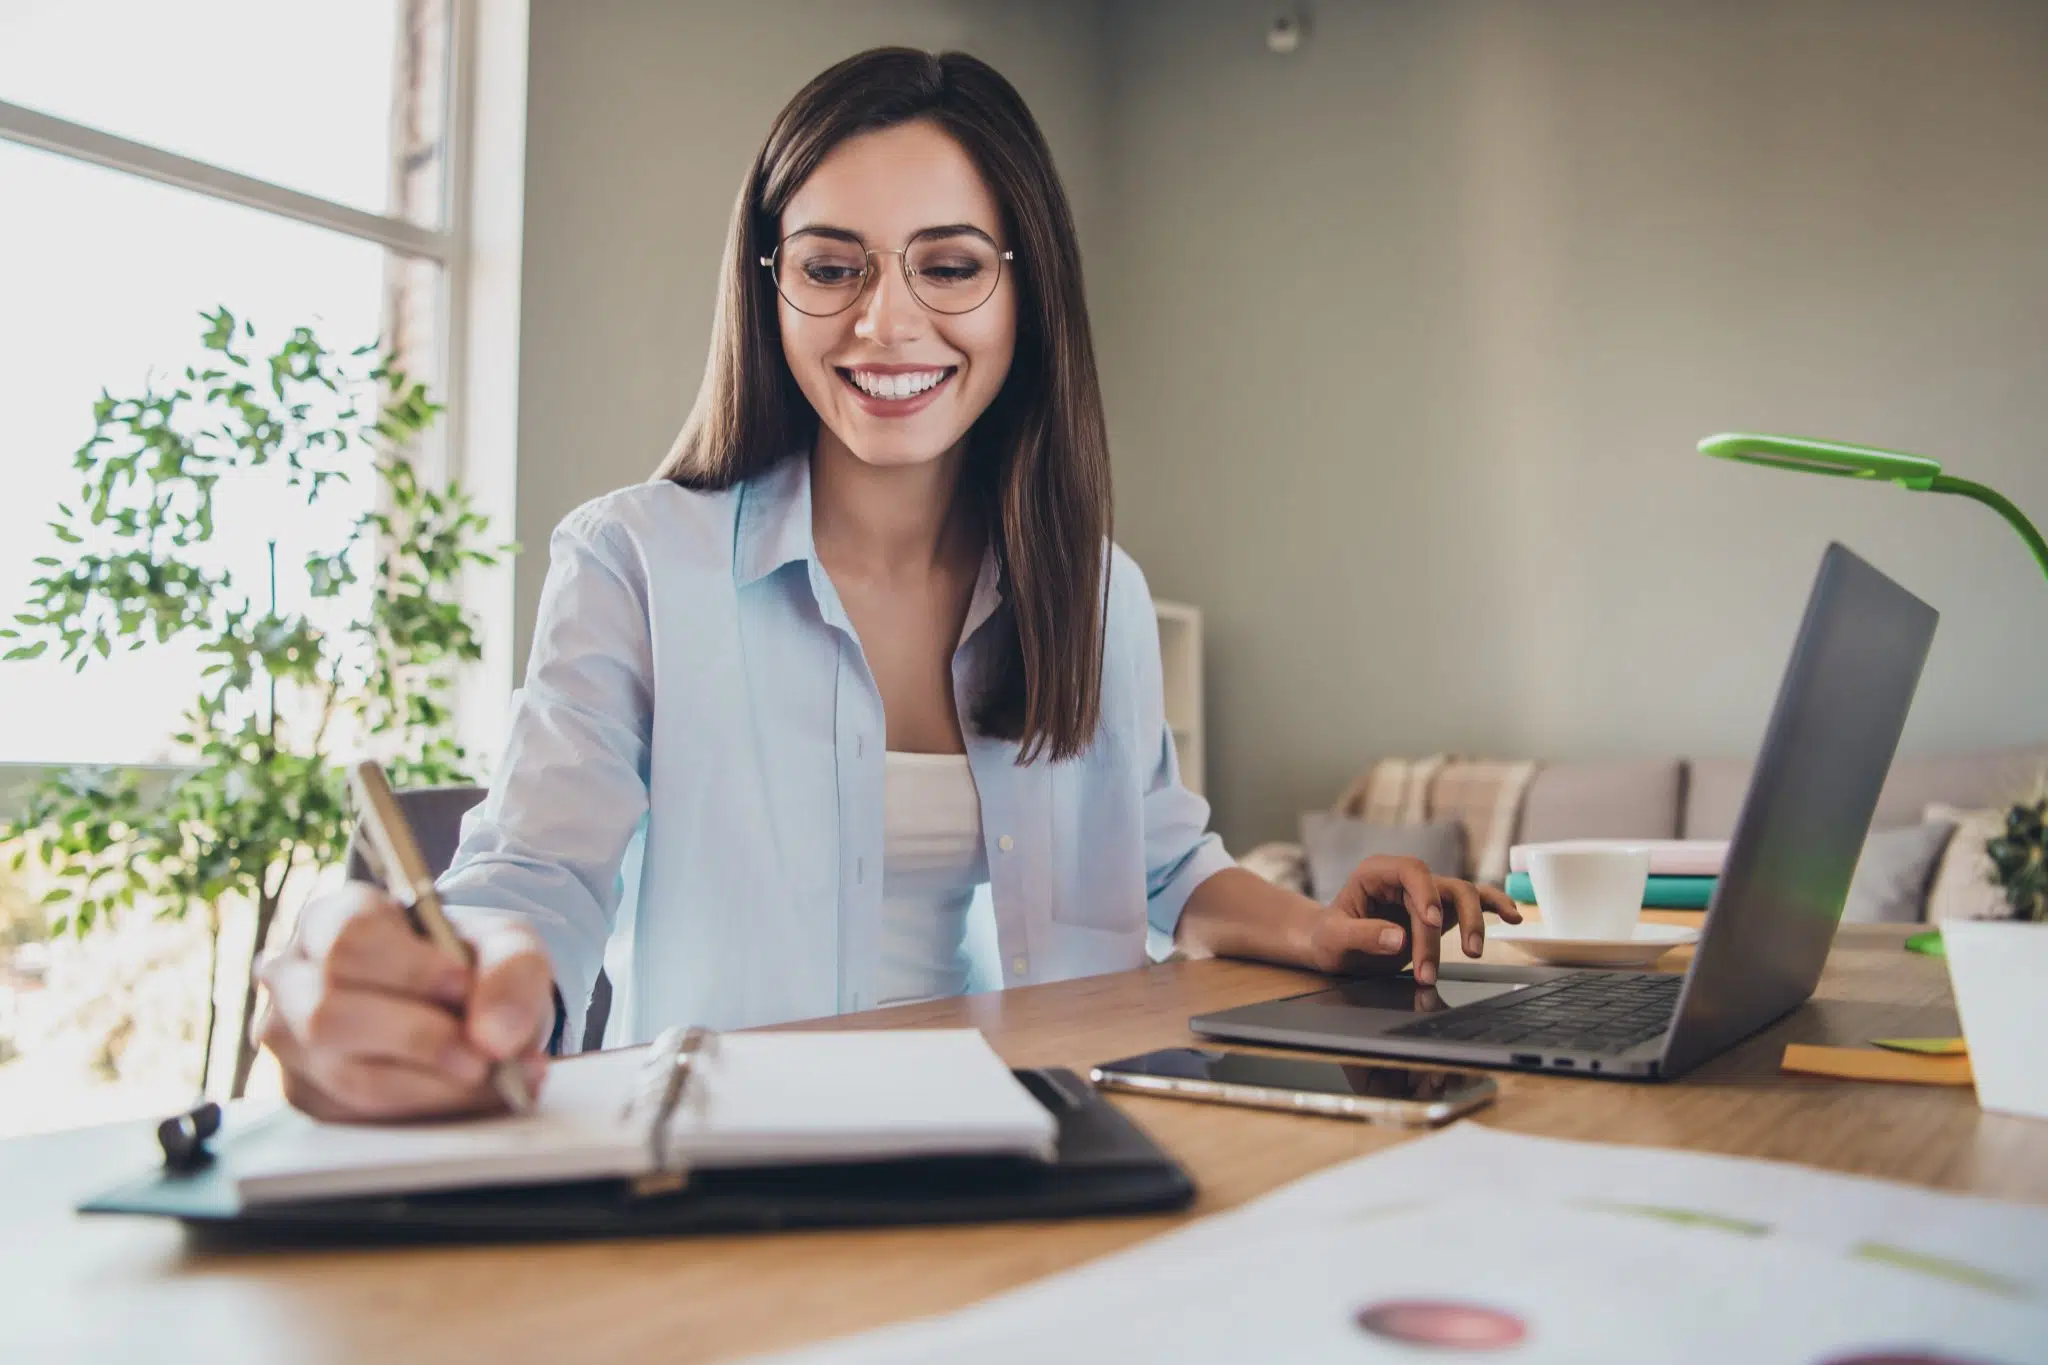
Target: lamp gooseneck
<point x="1999" y="503"/>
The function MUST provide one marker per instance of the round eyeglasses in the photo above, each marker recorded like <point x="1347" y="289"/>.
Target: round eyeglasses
<point x="822" y="272"/>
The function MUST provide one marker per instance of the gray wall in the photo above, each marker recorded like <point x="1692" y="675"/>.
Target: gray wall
<point x="642" y="117"/>
<point x="1408" y="339"/>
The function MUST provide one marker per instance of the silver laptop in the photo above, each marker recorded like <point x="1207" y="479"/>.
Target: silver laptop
<point x="1768" y="929"/>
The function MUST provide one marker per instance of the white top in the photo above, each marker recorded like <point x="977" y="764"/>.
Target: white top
<point x="932" y="861"/>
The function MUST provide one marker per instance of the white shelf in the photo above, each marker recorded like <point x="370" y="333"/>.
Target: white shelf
<point x="1180" y="660"/>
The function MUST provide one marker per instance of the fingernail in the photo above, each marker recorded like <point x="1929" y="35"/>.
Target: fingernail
<point x="1425" y="972"/>
<point x="452" y="984"/>
<point x="535" y="1068"/>
<point x="462" y="1064"/>
<point x="1390" y="937"/>
<point x="504" y="1030"/>
<point x="1432" y="916"/>
<point x="1473" y="944"/>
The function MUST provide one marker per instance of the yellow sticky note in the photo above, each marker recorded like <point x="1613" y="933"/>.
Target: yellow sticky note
<point x="1870" y="1064"/>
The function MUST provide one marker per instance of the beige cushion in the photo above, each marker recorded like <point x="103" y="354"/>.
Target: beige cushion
<point x="1964" y="885"/>
<point x="1621" y="799"/>
<point x="1486" y="796"/>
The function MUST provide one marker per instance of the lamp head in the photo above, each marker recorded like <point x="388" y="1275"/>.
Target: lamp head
<point x="1824" y="457"/>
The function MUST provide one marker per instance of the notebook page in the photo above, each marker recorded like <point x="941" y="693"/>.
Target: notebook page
<point x="765" y="1099"/>
<point x="781" y="1098"/>
<point x="578" y="1131"/>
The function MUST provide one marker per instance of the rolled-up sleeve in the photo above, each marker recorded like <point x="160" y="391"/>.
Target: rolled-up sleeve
<point x="1180" y="851"/>
<point x="571" y="788"/>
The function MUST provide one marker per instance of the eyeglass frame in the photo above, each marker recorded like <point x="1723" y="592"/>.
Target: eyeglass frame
<point x="867" y="271"/>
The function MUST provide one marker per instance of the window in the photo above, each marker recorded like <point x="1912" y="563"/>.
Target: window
<point x="290" y="162"/>
<point x="104" y="272"/>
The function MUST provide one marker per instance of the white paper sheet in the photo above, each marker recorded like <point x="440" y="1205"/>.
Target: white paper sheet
<point x="1831" y="1212"/>
<point x="1552" y="1252"/>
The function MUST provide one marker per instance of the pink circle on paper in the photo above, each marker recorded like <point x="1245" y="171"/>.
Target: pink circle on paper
<point x="1444" y="1322"/>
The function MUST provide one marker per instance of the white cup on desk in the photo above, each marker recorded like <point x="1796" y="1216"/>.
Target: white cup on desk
<point x="1589" y="893"/>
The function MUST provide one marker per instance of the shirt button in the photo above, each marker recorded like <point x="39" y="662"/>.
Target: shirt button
<point x="1020" y="965"/>
<point x="1006" y="843"/>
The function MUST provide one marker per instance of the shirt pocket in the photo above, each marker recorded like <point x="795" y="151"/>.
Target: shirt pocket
<point x="1098" y="844"/>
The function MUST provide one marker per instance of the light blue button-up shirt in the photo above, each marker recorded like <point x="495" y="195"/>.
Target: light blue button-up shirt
<point x="697" y="703"/>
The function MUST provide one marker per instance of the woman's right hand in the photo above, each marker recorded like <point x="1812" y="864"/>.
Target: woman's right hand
<point x="372" y="1022"/>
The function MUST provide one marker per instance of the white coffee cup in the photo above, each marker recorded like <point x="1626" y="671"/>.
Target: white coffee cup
<point x="1589" y="893"/>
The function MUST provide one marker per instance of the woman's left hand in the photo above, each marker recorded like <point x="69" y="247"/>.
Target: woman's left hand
<point x="1401" y="895"/>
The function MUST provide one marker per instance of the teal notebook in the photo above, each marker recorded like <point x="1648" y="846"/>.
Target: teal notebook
<point x="1661" y="893"/>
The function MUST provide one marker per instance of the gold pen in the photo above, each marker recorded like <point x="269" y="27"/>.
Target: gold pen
<point x="403" y="870"/>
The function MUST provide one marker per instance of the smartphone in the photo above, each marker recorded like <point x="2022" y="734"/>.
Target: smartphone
<point x="1414" y="1096"/>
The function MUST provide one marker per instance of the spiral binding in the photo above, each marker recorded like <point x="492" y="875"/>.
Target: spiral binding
<point x="673" y="1058"/>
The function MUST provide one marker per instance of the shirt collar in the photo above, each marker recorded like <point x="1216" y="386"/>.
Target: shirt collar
<point x="988" y="595"/>
<point x="775" y="529"/>
<point x="774" y="521"/>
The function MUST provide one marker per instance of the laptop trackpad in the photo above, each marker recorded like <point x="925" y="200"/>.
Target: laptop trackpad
<point x="1400" y="995"/>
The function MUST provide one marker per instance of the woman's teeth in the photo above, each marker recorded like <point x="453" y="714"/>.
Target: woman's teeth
<point x="908" y="384"/>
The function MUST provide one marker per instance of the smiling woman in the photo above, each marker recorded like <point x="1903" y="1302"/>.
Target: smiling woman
<point x="861" y="648"/>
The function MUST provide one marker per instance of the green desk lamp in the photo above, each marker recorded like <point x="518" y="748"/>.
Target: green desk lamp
<point x="1917" y="472"/>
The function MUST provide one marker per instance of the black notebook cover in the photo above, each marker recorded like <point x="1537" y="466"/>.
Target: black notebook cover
<point x="1105" y="1165"/>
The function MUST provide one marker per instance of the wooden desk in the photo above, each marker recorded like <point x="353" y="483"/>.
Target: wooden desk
<point x="133" y="1289"/>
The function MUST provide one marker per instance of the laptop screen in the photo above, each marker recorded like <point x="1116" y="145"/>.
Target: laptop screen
<point x="1826" y="751"/>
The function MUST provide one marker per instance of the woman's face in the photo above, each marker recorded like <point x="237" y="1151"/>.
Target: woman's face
<point x="895" y="381"/>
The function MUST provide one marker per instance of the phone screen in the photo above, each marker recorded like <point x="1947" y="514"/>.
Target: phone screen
<point x="1298" y="1073"/>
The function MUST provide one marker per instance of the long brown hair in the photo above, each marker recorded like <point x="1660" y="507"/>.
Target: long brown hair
<point x="1038" y="458"/>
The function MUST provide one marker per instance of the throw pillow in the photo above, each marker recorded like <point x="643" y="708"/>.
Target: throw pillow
<point x="1965" y="886"/>
<point x="1892" y="876"/>
<point x="1335" y="845"/>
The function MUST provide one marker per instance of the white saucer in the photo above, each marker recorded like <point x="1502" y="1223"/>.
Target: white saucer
<point x="1649" y="942"/>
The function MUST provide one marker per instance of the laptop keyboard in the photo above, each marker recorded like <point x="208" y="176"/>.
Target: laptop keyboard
<point x="1609" y="1012"/>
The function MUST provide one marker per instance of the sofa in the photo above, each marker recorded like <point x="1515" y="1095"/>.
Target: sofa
<point x="1675" y="798"/>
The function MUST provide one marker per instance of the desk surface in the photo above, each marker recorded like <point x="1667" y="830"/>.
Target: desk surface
<point x="136" y="1289"/>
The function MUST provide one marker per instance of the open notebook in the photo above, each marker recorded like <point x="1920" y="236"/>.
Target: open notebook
<point x="752" y="1099"/>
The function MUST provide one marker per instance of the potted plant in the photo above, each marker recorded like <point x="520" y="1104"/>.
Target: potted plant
<point x="1998" y="966"/>
<point x="366" y="660"/>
